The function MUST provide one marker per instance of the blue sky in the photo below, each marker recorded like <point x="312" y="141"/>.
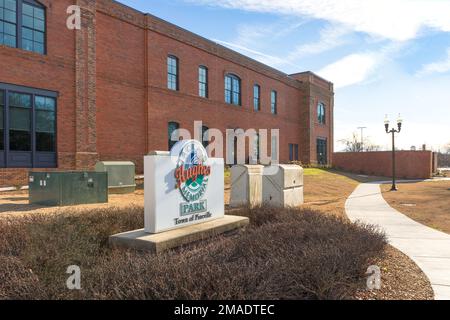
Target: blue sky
<point x="384" y="56"/>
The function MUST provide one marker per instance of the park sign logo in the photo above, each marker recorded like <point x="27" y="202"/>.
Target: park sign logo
<point x="192" y="176"/>
<point x="182" y="187"/>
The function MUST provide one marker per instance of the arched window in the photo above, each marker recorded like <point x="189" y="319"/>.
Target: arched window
<point x="233" y="89"/>
<point x="321" y="115"/>
<point x="22" y="25"/>
<point x="172" y="127"/>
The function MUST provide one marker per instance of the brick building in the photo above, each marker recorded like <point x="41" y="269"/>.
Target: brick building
<point x="113" y="89"/>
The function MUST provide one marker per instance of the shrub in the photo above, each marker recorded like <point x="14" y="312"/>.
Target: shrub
<point x="283" y="254"/>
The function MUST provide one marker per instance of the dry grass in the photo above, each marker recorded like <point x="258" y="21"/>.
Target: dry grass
<point x="287" y="254"/>
<point x="425" y="202"/>
<point x="327" y="190"/>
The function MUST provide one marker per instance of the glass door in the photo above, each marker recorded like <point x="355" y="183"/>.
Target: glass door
<point x="322" y="158"/>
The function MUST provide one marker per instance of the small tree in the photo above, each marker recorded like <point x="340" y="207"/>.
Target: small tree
<point x="354" y="144"/>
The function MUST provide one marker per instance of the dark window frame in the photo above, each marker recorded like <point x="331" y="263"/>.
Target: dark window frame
<point x="205" y="142"/>
<point x="169" y="133"/>
<point x="322" y="145"/>
<point x="32" y="158"/>
<point x="176" y="75"/>
<point x="293" y="152"/>
<point x="203" y="86"/>
<point x="274" y="102"/>
<point x="321" y="113"/>
<point x="19" y="25"/>
<point x="256" y="97"/>
<point x="231" y="92"/>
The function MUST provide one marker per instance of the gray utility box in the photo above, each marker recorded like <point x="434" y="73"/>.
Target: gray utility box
<point x="67" y="188"/>
<point x="120" y="175"/>
<point x="246" y="185"/>
<point x="284" y="188"/>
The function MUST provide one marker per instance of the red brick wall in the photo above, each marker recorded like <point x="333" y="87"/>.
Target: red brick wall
<point x="409" y="164"/>
<point x="113" y="103"/>
<point x="54" y="71"/>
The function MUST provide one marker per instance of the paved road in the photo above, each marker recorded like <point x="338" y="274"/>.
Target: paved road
<point x="429" y="248"/>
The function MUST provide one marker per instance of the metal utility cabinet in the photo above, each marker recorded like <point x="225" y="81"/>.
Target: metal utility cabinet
<point x="284" y="188"/>
<point x="246" y="185"/>
<point x="67" y="188"/>
<point x="120" y="175"/>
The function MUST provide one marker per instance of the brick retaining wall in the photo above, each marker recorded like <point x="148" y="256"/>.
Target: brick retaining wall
<point x="409" y="164"/>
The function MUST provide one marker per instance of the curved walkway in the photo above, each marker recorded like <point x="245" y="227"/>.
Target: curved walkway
<point x="429" y="248"/>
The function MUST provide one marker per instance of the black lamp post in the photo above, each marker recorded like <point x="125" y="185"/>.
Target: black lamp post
<point x="393" y="131"/>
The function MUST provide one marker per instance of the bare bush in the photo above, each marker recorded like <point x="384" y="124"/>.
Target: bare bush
<point x="283" y="254"/>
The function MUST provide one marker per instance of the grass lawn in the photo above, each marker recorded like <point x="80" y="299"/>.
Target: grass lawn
<point x="327" y="190"/>
<point x="425" y="202"/>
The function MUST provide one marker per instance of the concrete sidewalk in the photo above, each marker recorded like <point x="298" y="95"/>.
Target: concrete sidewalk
<point x="429" y="248"/>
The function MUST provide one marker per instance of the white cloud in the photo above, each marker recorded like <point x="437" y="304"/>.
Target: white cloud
<point x="392" y="19"/>
<point x="359" y="67"/>
<point x="436" y="67"/>
<point x="255" y="35"/>
<point x="331" y="37"/>
<point x="351" y="69"/>
<point x="262" y="57"/>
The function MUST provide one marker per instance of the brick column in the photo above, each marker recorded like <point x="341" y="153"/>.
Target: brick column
<point x="86" y="127"/>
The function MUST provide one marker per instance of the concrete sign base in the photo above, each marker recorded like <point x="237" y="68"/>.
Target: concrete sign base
<point x="156" y="243"/>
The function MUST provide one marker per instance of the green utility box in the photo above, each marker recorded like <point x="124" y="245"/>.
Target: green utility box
<point x="67" y="188"/>
<point x="120" y="175"/>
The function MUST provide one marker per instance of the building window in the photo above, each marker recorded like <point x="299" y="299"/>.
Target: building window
<point x="321" y="117"/>
<point x="274" y="102"/>
<point x="172" y="73"/>
<point x="232" y="90"/>
<point x="293" y="152"/>
<point x="33" y="28"/>
<point x="322" y="151"/>
<point x="8" y="23"/>
<point x="172" y="134"/>
<point x="256" y="97"/>
<point x="45" y="124"/>
<point x="22" y="25"/>
<point x="203" y="82"/>
<point x="27" y="127"/>
<point x="205" y="136"/>
<point x="19" y="122"/>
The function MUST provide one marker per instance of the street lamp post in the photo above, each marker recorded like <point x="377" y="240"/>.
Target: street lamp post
<point x="362" y="137"/>
<point x="393" y="131"/>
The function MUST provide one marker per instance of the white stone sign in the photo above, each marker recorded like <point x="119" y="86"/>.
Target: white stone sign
<point x="183" y="187"/>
